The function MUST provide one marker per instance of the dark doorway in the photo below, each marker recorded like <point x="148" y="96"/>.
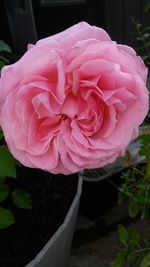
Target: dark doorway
<point x="25" y="21"/>
<point x="55" y="18"/>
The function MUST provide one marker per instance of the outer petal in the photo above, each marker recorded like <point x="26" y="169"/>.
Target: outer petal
<point x="141" y="68"/>
<point x="42" y="63"/>
<point x="76" y="33"/>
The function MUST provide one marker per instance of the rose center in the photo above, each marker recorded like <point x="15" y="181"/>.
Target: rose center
<point x="70" y="106"/>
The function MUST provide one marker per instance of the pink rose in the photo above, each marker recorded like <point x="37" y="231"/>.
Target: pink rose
<point x="73" y="101"/>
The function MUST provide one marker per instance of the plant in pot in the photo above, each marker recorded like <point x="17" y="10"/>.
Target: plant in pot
<point x="73" y="101"/>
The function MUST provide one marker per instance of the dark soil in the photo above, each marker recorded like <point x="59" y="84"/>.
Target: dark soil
<point x="52" y="196"/>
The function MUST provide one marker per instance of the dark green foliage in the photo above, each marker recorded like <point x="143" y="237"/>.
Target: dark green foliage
<point x="6" y="218"/>
<point x="132" y="252"/>
<point x="143" y="37"/>
<point x="20" y="198"/>
<point x="4" y="50"/>
<point x="135" y="188"/>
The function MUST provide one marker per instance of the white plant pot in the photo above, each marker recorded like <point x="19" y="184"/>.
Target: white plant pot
<point x="56" y="252"/>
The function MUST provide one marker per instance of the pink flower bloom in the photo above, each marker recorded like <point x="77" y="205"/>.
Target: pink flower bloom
<point x="73" y="101"/>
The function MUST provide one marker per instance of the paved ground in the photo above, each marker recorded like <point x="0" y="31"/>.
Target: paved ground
<point x="95" y="254"/>
<point x="93" y="247"/>
<point x="99" y="253"/>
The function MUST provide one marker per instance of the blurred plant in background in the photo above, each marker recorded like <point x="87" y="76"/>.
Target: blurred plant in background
<point x="5" y="50"/>
<point x="143" y="37"/>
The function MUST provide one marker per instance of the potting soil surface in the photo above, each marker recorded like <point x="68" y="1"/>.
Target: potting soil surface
<point x="51" y="196"/>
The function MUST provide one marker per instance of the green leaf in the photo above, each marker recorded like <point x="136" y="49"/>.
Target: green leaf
<point x="145" y="138"/>
<point x="134" y="235"/>
<point x="147" y="242"/>
<point x="22" y="199"/>
<point x="132" y="258"/>
<point x="146" y="29"/>
<point x="2" y="180"/>
<point x="147" y="7"/>
<point x="145" y="151"/>
<point x="4" y="59"/>
<point x="6" y="218"/>
<point x="7" y="163"/>
<point x="122" y="234"/>
<point x="4" y="47"/>
<point x="1" y="135"/>
<point x="2" y="64"/>
<point x="119" y="260"/>
<point x="148" y="170"/>
<point x="146" y="260"/>
<point x="133" y="209"/>
<point x="144" y="212"/>
<point x="121" y="198"/>
<point x="4" y="191"/>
